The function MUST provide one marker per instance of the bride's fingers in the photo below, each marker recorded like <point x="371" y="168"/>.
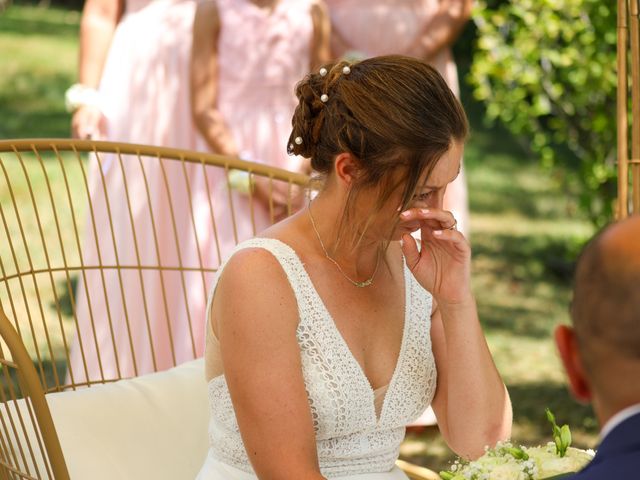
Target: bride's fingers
<point x="443" y="217"/>
<point x="410" y="251"/>
<point x="451" y="236"/>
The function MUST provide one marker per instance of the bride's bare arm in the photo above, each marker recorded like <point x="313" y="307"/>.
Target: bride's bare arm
<point x="471" y="403"/>
<point x="255" y="317"/>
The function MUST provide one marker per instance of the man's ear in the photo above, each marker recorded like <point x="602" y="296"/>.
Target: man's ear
<point x="347" y="168"/>
<point x="567" y="345"/>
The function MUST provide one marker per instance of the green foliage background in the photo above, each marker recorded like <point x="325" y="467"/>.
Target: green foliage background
<point x="546" y="69"/>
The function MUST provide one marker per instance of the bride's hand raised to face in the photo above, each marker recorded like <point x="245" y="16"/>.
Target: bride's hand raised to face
<point x="442" y="265"/>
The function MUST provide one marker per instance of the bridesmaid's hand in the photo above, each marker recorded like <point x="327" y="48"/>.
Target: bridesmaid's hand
<point x="88" y="123"/>
<point x="443" y="264"/>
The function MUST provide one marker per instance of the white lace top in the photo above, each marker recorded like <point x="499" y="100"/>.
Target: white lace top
<point x="351" y="438"/>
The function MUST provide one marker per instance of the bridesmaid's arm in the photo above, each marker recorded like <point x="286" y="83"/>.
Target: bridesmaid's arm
<point x="471" y="404"/>
<point x="339" y="46"/>
<point x="204" y="81"/>
<point x="443" y="29"/>
<point x="99" y="21"/>
<point x="255" y="317"/>
<point x="320" y="45"/>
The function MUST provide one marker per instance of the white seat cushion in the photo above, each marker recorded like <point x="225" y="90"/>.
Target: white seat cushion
<point x="153" y="426"/>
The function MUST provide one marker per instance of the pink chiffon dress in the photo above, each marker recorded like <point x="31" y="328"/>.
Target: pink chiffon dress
<point x="145" y="91"/>
<point x="360" y="23"/>
<point x="262" y="54"/>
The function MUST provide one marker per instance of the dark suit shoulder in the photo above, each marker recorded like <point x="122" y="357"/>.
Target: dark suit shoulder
<point x="618" y="455"/>
<point x="624" y="466"/>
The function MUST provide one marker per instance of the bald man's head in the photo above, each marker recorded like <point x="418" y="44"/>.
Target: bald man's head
<point x="606" y="302"/>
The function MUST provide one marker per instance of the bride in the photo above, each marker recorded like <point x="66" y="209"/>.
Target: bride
<point x="333" y="329"/>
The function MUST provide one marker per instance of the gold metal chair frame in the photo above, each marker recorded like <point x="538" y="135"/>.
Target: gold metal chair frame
<point x="44" y="185"/>
<point x="628" y="46"/>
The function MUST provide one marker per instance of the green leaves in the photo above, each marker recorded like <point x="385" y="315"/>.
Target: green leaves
<point x="565" y="436"/>
<point x="551" y="417"/>
<point x="517" y="453"/>
<point x="545" y="69"/>
<point x="561" y="435"/>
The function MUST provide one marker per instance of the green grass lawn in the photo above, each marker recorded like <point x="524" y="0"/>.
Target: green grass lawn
<point x="524" y="231"/>
<point x="38" y="63"/>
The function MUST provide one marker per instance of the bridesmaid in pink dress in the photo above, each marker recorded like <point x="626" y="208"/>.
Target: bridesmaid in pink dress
<point x="247" y="57"/>
<point x="418" y="28"/>
<point x="134" y="58"/>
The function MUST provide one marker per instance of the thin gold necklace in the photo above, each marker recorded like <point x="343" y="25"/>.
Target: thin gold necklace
<point x="367" y="282"/>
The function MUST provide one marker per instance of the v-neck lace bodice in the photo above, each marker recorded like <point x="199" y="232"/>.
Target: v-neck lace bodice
<point x="351" y="437"/>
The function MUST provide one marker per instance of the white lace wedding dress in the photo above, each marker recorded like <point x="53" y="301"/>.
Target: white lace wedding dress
<point x="354" y="441"/>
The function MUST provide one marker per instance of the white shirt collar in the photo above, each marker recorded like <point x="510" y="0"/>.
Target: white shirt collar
<point x="618" y="418"/>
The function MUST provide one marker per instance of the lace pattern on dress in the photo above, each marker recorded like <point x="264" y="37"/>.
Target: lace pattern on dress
<point x="350" y="438"/>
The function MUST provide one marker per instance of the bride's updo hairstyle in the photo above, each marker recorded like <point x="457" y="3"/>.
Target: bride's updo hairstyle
<point x="392" y="113"/>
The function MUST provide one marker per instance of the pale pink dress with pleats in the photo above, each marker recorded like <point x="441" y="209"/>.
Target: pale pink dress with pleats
<point x="385" y="27"/>
<point x="145" y="87"/>
<point x="262" y="54"/>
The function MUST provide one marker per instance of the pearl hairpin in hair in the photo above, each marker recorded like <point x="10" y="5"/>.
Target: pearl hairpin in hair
<point x="298" y="140"/>
<point x="346" y="70"/>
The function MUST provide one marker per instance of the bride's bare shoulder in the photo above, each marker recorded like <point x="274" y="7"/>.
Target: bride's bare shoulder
<point x="253" y="292"/>
<point x="249" y="268"/>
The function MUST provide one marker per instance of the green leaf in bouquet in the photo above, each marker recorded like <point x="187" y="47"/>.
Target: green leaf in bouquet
<point x="517" y="453"/>
<point x="561" y="435"/>
<point x="559" y="448"/>
<point x="565" y="435"/>
<point x="444" y="475"/>
<point x="551" y="417"/>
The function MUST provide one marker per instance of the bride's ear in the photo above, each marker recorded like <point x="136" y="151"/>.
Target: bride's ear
<point x="567" y="344"/>
<point x="347" y="168"/>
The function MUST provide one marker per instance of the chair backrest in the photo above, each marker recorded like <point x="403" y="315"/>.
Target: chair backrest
<point x="107" y="252"/>
<point x="628" y="66"/>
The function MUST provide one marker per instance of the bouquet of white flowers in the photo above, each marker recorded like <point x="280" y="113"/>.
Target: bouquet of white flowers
<point x="508" y="462"/>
